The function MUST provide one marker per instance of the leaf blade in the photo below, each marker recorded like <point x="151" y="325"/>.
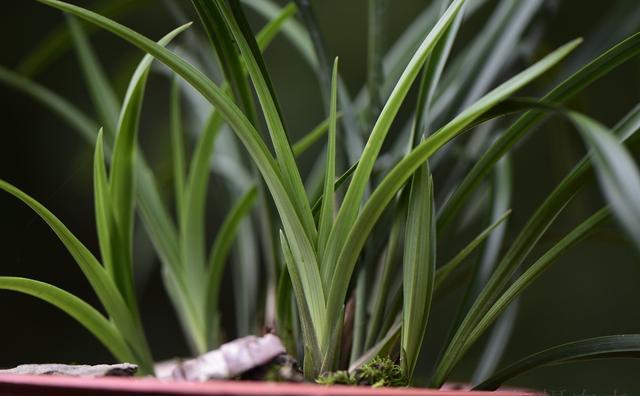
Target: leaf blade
<point x="79" y="310"/>
<point x="419" y="267"/>
<point x="326" y="212"/>
<point x="627" y="345"/>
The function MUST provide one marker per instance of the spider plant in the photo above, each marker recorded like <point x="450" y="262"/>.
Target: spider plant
<point x="329" y="242"/>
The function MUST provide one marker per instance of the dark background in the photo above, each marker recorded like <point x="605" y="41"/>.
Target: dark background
<point x="591" y="291"/>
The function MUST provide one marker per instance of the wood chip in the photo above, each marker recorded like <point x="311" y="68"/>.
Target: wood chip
<point x="231" y="359"/>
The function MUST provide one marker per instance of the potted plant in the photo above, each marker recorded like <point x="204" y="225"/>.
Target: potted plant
<point x="350" y="257"/>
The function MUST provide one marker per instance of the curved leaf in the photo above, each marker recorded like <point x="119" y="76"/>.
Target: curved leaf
<point x="82" y="123"/>
<point x="444" y="271"/>
<point x="351" y="204"/>
<point x="522" y="246"/>
<point x="402" y="171"/>
<point x="104" y="99"/>
<point x="620" y="346"/>
<point x="97" y="276"/>
<point x="576" y="83"/>
<point x="577" y="235"/>
<point x="220" y="249"/>
<point x="301" y="246"/>
<point x="121" y="177"/>
<point x="325" y="222"/>
<point x="617" y="173"/>
<point x="102" y="202"/>
<point x="85" y="314"/>
<point x="419" y="267"/>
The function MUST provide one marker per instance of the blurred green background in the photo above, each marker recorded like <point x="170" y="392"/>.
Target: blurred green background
<point x="590" y="292"/>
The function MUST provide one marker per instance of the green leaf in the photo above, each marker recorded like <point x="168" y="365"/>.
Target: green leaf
<point x="153" y="213"/>
<point x="375" y="37"/>
<point x="219" y="252"/>
<point x="193" y="228"/>
<point x="121" y="180"/>
<point x="389" y="271"/>
<point x="177" y="146"/>
<point x="250" y="53"/>
<point x="431" y="73"/>
<point x="326" y="212"/>
<point x="522" y="246"/>
<point x="301" y="246"/>
<point x="402" y="171"/>
<point x="285" y="315"/>
<point x="617" y="173"/>
<point x="224" y="44"/>
<point x="291" y="29"/>
<point x="58" y="41"/>
<point x="494" y="50"/>
<point x="275" y="25"/>
<point x="532" y="273"/>
<point x="339" y="182"/>
<point x="156" y="219"/>
<point x="444" y="271"/>
<point x="104" y="99"/>
<point x="304" y="143"/>
<point x="616" y="346"/>
<point x="321" y="63"/>
<point x="313" y="356"/>
<point x="79" y="121"/>
<point x="419" y="267"/>
<point x="349" y="210"/>
<point x="84" y="313"/>
<point x="107" y="233"/>
<point x="576" y="83"/>
<point x="98" y="277"/>
<point x="501" y="191"/>
<point x="193" y="212"/>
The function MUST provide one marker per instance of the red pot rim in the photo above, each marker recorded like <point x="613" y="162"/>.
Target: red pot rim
<point x="59" y="385"/>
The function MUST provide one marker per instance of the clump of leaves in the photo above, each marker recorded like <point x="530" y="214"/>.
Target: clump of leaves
<point x="379" y="372"/>
<point x="323" y="246"/>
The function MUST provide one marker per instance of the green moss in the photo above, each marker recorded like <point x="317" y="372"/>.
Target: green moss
<point x="341" y="377"/>
<point x="379" y="372"/>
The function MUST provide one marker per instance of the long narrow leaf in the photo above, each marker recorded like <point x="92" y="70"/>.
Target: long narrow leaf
<point x="121" y="180"/>
<point x="522" y="246"/>
<point x="177" y="145"/>
<point x="576" y="83"/>
<point x="617" y="173"/>
<point x="621" y="346"/>
<point x="102" y="201"/>
<point x="383" y="285"/>
<point x="222" y="40"/>
<point x="238" y="25"/>
<point x="304" y="143"/>
<point x="326" y="212"/>
<point x="444" y="271"/>
<point x="219" y="251"/>
<point x="85" y="314"/>
<point x="85" y="126"/>
<point x="102" y="94"/>
<point x="419" y="267"/>
<point x="97" y="276"/>
<point x="349" y="210"/>
<point x="577" y="235"/>
<point x="58" y="41"/>
<point x="402" y="171"/>
<point x="302" y="248"/>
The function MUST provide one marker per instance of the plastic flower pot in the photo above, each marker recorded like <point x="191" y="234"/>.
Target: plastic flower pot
<point x="18" y="385"/>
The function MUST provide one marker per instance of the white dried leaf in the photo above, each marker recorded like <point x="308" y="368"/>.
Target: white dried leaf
<point x="231" y="359"/>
